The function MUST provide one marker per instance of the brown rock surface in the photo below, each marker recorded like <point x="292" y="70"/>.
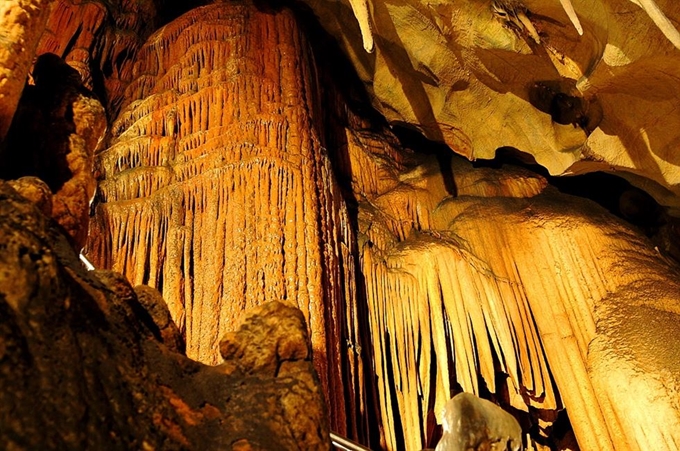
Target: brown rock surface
<point x="81" y="366"/>
<point x="55" y="132"/>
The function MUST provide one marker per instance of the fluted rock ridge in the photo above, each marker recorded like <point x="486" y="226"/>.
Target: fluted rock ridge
<point x="216" y="188"/>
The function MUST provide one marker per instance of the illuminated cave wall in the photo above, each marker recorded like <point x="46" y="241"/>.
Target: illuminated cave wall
<point x="231" y="176"/>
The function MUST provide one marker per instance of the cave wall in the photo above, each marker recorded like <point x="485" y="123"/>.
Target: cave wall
<point x="236" y="171"/>
<point x="89" y="362"/>
<point x="215" y="187"/>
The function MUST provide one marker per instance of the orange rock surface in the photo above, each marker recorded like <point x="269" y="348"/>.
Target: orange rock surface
<point x="22" y="22"/>
<point x="216" y="188"/>
<point x="235" y="173"/>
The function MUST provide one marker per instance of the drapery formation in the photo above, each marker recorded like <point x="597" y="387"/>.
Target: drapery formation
<point x="216" y="189"/>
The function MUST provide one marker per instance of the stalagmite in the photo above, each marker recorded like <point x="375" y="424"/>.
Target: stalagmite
<point x="474" y="423"/>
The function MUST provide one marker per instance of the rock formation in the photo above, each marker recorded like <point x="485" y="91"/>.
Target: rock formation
<point x="85" y="365"/>
<point x="474" y="423"/>
<point x="22" y="23"/>
<point x="457" y="293"/>
<point x="216" y="188"/>
<point x="465" y="74"/>
<point x="243" y="164"/>
<point x="54" y="135"/>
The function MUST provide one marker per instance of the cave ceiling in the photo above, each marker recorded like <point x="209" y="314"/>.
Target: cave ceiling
<point x="597" y="95"/>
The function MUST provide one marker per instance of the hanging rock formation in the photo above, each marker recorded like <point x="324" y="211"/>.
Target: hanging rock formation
<point x="480" y="75"/>
<point x="82" y="365"/>
<point x="511" y="277"/>
<point x="216" y="189"/>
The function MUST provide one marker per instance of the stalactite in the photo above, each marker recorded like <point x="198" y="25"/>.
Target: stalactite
<point x="507" y="277"/>
<point x="216" y="191"/>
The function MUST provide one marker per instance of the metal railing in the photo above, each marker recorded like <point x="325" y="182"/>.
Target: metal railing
<point x="340" y="442"/>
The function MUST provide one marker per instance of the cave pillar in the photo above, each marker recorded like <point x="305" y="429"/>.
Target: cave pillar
<point x="217" y="190"/>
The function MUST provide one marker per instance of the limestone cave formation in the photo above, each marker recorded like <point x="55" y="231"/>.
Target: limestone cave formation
<point x="325" y="218"/>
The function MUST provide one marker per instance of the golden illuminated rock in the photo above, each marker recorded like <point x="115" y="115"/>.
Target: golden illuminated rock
<point x="474" y="423"/>
<point x="216" y="189"/>
<point x="484" y="74"/>
<point x="243" y="166"/>
<point x="70" y="33"/>
<point x="22" y="22"/>
<point x="550" y="290"/>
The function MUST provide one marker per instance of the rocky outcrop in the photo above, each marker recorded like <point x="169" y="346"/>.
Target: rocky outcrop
<point x="54" y="135"/>
<point x="241" y="166"/>
<point x="85" y="365"/>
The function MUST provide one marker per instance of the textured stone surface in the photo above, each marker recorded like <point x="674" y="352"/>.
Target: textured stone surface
<point x="462" y="287"/>
<point x="55" y="132"/>
<point x="466" y="74"/>
<point x="472" y="423"/>
<point x="273" y="341"/>
<point x="477" y="279"/>
<point x="22" y="22"/>
<point x="166" y="330"/>
<point x="35" y="190"/>
<point x="82" y="365"/>
<point x="215" y="187"/>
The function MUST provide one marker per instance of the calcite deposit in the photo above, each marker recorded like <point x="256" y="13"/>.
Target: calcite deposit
<point x="480" y="75"/>
<point x="457" y="293"/>
<point x="22" y="23"/>
<point x="216" y="189"/>
<point x="243" y="163"/>
<point x="473" y="423"/>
